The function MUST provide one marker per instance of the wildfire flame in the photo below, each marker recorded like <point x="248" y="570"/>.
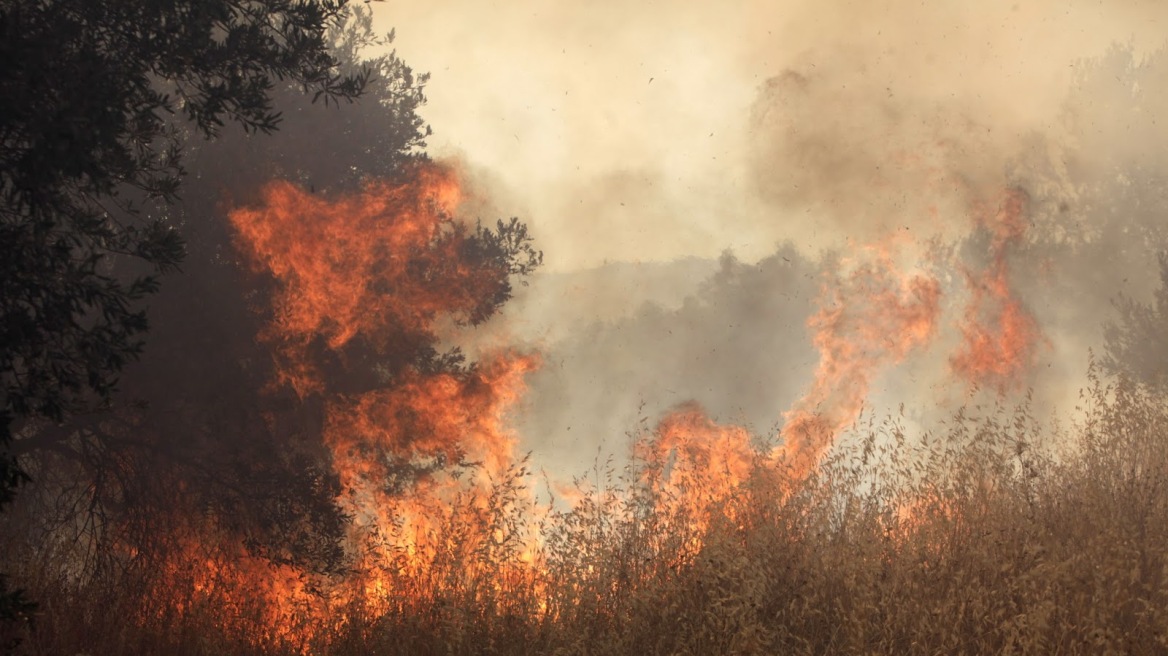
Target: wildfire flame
<point x="868" y="320"/>
<point x="695" y="462"/>
<point x="420" y="454"/>
<point x="444" y="418"/>
<point x="381" y="265"/>
<point x="1000" y="336"/>
<point x="424" y="455"/>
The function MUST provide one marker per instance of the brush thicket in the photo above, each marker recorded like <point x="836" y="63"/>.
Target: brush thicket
<point x="992" y="534"/>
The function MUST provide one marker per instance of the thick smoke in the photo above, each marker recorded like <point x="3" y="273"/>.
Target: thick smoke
<point x="736" y="344"/>
<point x="638" y="133"/>
<point x="578" y="108"/>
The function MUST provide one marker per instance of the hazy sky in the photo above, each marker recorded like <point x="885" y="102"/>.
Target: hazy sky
<point x="630" y="130"/>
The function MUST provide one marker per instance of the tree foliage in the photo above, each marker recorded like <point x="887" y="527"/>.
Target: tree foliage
<point x="89" y="141"/>
<point x="1137" y="343"/>
<point x="198" y="439"/>
<point x="91" y="100"/>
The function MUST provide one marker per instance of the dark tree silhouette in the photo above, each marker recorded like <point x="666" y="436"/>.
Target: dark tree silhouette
<point x="88" y="142"/>
<point x="88" y="145"/>
<point x="198" y="439"/>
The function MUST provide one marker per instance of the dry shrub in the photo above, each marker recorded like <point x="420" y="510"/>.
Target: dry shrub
<point x="992" y="534"/>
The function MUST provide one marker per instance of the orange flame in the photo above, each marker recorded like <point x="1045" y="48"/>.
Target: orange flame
<point x="697" y="463"/>
<point x="456" y="419"/>
<point x="867" y="321"/>
<point x="1000" y="336"/>
<point x="246" y="596"/>
<point x="443" y="416"/>
<point x="420" y="455"/>
<point x="382" y="265"/>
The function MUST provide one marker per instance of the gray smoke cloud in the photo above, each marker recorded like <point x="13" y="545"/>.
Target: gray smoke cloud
<point x="736" y="344"/>
<point x="791" y="134"/>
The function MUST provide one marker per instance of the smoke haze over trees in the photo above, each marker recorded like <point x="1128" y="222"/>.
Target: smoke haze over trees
<point x="1093" y="228"/>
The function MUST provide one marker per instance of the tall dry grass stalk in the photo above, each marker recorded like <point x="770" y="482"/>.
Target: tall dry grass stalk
<point x="992" y="534"/>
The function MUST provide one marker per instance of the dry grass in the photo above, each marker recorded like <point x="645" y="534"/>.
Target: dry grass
<point x="993" y="535"/>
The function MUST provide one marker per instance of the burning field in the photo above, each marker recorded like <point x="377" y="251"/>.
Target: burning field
<point x="888" y="377"/>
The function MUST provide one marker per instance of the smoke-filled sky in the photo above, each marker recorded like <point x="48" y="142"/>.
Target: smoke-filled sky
<point x="992" y="152"/>
<point x="630" y="130"/>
